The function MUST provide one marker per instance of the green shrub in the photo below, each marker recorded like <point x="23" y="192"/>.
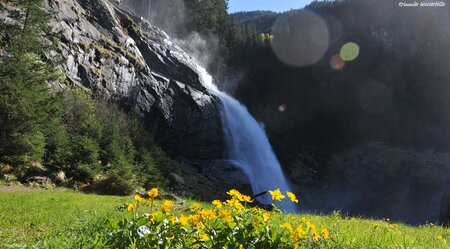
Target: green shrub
<point x="82" y="172"/>
<point x="30" y="146"/>
<point x="150" y="171"/>
<point x="117" y="182"/>
<point x="164" y="163"/>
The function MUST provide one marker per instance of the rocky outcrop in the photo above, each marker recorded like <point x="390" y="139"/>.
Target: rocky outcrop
<point x="124" y="58"/>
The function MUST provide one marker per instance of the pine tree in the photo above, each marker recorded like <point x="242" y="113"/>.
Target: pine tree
<point x="25" y="100"/>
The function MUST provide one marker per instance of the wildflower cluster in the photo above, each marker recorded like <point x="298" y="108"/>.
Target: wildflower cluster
<point x="233" y="223"/>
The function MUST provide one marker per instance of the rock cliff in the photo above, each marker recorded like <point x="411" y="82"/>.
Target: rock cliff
<point x="125" y="59"/>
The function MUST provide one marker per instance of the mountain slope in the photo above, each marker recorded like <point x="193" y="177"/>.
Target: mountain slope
<point x="127" y="60"/>
<point x="261" y="20"/>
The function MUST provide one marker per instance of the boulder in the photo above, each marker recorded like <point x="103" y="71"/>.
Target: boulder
<point x="39" y="180"/>
<point x="59" y="177"/>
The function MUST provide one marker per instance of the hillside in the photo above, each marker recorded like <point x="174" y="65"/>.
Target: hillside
<point x="261" y="20"/>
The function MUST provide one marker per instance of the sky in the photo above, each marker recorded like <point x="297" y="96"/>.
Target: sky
<point x="273" y="5"/>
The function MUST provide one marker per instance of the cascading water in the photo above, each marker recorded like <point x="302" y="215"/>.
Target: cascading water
<point x="248" y="145"/>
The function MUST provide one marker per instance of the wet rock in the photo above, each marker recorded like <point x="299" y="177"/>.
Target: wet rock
<point x="124" y="58"/>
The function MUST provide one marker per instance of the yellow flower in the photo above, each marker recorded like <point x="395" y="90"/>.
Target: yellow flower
<point x="200" y="226"/>
<point x="183" y="220"/>
<point x="173" y="219"/>
<point x="234" y="193"/>
<point x="238" y="206"/>
<point x="152" y="217"/>
<point x="138" y="198"/>
<point x="287" y="226"/>
<point x="241" y="246"/>
<point x="131" y="207"/>
<point x="326" y="233"/>
<point x="439" y="237"/>
<point x="276" y="195"/>
<point x="294" y="238"/>
<point x="256" y="223"/>
<point x="153" y="193"/>
<point x="257" y="210"/>
<point x="197" y="206"/>
<point x="194" y="219"/>
<point x="204" y="236"/>
<point x="292" y="197"/>
<point x="235" y="203"/>
<point x="315" y="236"/>
<point x="245" y="198"/>
<point x="300" y="232"/>
<point x="166" y="206"/>
<point x="217" y="203"/>
<point x="266" y="216"/>
<point x="311" y="226"/>
<point x="393" y="226"/>
<point x="208" y="214"/>
<point x="225" y="215"/>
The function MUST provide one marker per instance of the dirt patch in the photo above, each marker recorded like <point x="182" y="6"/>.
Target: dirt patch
<point x="18" y="188"/>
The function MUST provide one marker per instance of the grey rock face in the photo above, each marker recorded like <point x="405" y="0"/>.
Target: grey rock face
<point x="227" y="171"/>
<point x="125" y="59"/>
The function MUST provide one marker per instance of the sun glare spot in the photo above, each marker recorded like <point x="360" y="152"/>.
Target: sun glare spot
<point x="301" y="39"/>
<point x="282" y="108"/>
<point x="349" y="51"/>
<point x="336" y="62"/>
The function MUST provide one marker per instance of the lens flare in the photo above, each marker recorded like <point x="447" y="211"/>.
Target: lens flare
<point x="349" y="51"/>
<point x="300" y="39"/>
<point x="336" y="62"/>
<point x="282" y="108"/>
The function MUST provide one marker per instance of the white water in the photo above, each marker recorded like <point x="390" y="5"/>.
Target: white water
<point x="248" y="146"/>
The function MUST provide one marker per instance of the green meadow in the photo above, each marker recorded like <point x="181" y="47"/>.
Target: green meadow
<point x="67" y="219"/>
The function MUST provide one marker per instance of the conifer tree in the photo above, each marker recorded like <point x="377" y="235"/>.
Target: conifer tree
<point x="25" y="100"/>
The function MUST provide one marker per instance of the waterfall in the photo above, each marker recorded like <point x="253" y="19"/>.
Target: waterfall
<point x="248" y="146"/>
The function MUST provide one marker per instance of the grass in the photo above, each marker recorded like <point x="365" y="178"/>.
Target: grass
<point x="46" y="219"/>
<point x="350" y="232"/>
<point x="30" y="218"/>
